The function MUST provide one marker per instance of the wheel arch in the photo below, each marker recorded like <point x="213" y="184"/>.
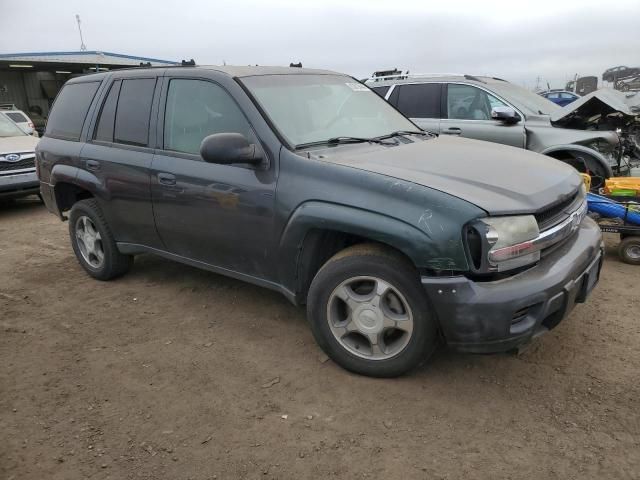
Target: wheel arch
<point x="592" y="159"/>
<point x="67" y="194"/>
<point x="316" y="231"/>
<point x="71" y="184"/>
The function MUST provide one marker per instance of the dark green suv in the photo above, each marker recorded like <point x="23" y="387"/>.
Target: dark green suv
<point x="308" y="183"/>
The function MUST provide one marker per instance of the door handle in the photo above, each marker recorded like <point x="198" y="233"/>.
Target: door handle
<point x="92" y="165"/>
<point x="452" y="131"/>
<point x="167" y="179"/>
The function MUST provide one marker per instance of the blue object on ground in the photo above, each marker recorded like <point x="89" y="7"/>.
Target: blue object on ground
<point x="610" y="209"/>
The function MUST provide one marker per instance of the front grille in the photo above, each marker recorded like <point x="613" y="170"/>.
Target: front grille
<point x="19" y="165"/>
<point x="557" y="212"/>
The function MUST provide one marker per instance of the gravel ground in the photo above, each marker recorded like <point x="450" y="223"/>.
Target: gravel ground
<point x="177" y="373"/>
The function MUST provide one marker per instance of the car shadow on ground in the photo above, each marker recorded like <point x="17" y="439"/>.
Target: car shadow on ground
<point x="11" y="207"/>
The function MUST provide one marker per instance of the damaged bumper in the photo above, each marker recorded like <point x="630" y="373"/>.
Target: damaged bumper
<point x="484" y="317"/>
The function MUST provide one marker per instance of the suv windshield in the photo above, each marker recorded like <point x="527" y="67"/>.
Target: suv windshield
<point x="309" y="108"/>
<point x="8" y="128"/>
<point x="524" y="99"/>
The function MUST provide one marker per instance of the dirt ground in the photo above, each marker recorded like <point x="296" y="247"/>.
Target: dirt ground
<point x="176" y="373"/>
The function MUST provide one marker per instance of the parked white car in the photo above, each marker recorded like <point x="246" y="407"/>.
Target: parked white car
<point x="21" y="119"/>
<point x="17" y="161"/>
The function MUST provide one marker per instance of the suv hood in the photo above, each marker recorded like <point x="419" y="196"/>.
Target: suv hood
<point x="499" y="179"/>
<point x="21" y="144"/>
<point x="589" y="109"/>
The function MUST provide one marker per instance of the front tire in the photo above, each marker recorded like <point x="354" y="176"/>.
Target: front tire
<point x="369" y="313"/>
<point x="93" y="242"/>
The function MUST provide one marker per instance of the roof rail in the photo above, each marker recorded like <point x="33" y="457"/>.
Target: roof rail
<point x="402" y="76"/>
<point x="474" y="78"/>
<point x="189" y="63"/>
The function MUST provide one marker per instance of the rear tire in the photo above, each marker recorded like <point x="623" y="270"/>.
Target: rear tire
<point x="369" y="313"/>
<point x="629" y="250"/>
<point x="93" y="242"/>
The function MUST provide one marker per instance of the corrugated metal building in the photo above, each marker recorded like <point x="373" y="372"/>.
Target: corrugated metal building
<point x="34" y="79"/>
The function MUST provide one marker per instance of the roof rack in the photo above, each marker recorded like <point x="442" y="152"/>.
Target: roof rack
<point x="188" y="63"/>
<point x="402" y="76"/>
<point x="391" y="74"/>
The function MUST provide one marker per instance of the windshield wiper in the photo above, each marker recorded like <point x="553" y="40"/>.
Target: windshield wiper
<point x="336" y="140"/>
<point x="405" y="132"/>
<point x="340" y="140"/>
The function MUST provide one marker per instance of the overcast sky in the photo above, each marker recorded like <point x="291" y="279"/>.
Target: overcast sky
<point x="518" y="41"/>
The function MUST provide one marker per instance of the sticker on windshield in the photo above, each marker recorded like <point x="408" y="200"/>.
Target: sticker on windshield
<point x="357" y="87"/>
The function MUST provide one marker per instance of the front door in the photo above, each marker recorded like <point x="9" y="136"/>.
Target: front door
<point x="469" y="115"/>
<point x="203" y="211"/>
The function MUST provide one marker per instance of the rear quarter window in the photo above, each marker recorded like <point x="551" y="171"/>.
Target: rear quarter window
<point x="70" y="110"/>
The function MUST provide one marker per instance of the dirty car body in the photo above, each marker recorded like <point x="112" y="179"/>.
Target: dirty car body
<point x="465" y="106"/>
<point x="306" y="182"/>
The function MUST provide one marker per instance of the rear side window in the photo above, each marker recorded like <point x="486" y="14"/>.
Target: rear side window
<point x="419" y="100"/>
<point x="70" y="110"/>
<point x="382" y="91"/>
<point x="17" y="117"/>
<point x="104" y="130"/>
<point x="133" y="111"/>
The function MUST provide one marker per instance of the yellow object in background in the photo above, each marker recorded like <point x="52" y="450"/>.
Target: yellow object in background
<point x="623" y="185"/>
<point x="586" y="178"/>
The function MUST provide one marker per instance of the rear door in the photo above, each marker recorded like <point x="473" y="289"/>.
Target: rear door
<point x="468" y="114"/>
<point x="421" y="102"/>
<point x="209" y="212"/>
<point x="118" y="156"/>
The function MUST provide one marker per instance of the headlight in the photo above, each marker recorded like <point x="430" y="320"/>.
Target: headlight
<point x="498" y="244"/>
<point x="509" y="238"/>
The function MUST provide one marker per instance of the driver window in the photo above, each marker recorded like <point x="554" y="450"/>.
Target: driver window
<point x="196" y="109"/>
<point x="465" y="102"/>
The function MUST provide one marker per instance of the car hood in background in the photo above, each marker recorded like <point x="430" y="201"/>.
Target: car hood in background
<point x="603" y="102"/>
<point x="499" y="179"/>
<point x="19" y="144"/>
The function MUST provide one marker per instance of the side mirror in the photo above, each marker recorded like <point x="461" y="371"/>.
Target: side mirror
<point x="505" y="114"/>
<point x="228" y="148"/>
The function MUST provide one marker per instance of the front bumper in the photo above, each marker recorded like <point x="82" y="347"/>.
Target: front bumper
<point x="19" y="184"/>
<point x="484" y="317"/>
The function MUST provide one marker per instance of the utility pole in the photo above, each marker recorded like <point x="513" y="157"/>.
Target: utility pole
<point x="83" y="47"/>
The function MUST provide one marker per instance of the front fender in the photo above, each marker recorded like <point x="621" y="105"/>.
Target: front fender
<point x="589" y="155"/>
<point x="437" y="248"/>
